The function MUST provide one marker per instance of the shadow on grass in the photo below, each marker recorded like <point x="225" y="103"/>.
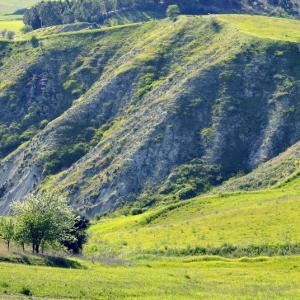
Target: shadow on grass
<point x="61" y="262"/>
<point x="50" y="261"/>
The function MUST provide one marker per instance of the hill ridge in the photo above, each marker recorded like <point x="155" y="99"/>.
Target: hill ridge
<point x="143" y="107"/>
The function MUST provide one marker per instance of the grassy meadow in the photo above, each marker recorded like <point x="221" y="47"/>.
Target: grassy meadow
<point x="10" y="6"/>
<point x="12" y="25"/>
<point x="176" y="278"/>
<point x="243" y="219"/>
<point x="8" y="20"/>
<point x="265" y="27"/>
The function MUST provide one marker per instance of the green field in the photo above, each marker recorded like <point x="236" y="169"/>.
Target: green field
<point x="265" y="27"/>
<point x="10" y="6"/>
<point x="256" y="218"/>
<point x="12" y="25"/>
<point x="9" y="21"/>
<point x="186" y="278"/>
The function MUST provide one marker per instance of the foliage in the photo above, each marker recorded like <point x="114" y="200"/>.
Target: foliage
<point x="232" y="251"/>
<point x="7" y="230"/>
<point x="191" y="179"/>
<point x="48" y="13"/>
<point x="173" y="12"/>
<point x="26" y="291"/>
<point x="26" y="29"/>
<point x="76" y="237"/>
<point x="7" y="34"/>
<point x="42" y="218"/>
<point x="34" y="41"/>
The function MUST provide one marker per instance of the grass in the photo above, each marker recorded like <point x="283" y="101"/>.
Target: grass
<point x="10" y="6"/>
<point x="176" y="278"/>
<point x="266" y="27"/>
<point x="11" y="17"/>
<point x="242" y="219"/>
<point x="12" y="25"/>
<point x="281" y="29"/>
<point x="267" y="217"/>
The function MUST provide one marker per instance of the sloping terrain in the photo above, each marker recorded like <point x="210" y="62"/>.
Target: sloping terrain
<point x="253" y="219"/>
<point x="281" y="7"/>
<point x="282" y="171"/>
<point x="107" y="115"/>
<point x="51" y="13"/>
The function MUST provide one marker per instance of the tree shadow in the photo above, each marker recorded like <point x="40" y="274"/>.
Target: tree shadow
<point x="61" y="262"/>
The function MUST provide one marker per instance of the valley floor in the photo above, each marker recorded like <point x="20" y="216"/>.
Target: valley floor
<point x="176" y="278"/>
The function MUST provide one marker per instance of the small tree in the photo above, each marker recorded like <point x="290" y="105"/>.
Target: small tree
<point x="26" y="28"/>
<point x="173" y="11"/>
<point x="3" y="33"/>
<point x="76" y="237"/>
<point x="34" y="41"/>
<point x="42" y="218"/>
<point x="10" y="35"/>
<point x="20" y="239"/>
<point x="7" y="231"/>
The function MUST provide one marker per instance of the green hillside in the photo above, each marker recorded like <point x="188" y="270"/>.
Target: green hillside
<point x="158" y="85"/>
<point x="242" y="219"/>
<point x="179" y="139"/>
<point x="271" y="28"/>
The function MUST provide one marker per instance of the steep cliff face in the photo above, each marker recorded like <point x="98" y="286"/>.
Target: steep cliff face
<point x="156" y="108"/>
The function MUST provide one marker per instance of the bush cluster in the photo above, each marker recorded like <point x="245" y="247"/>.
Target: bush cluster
<point x="232" y="251"/>
<point x="7" y="34"/>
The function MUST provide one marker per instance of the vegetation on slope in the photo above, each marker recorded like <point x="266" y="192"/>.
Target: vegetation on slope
<point x="148" y="86"/>
<point x="271" y="28"/>
<point x="238" y="219"/>
<point x="12" y="25"/>
<point x="281" y="171"/>
<point x="48" y="13"/>
<point x="156" y="87"/>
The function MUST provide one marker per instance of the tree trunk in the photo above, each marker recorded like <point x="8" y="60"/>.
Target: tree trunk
<point x="8" y="244"/>
<point x="33" y="248"/>
<point x="37" y="248"/>
<point x="23" y="247"/>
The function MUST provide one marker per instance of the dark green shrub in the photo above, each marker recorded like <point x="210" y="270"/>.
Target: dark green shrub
<point x="34" y="41"/>
<point x="173" y="12"/>
<point x="136" y="211"/>
<point x="26" y="29"/>
<point x="187" y="193"/>
<point x="26" y="291"/>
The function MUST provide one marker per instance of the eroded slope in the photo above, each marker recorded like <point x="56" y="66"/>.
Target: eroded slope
<point x="162" y="108"/>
